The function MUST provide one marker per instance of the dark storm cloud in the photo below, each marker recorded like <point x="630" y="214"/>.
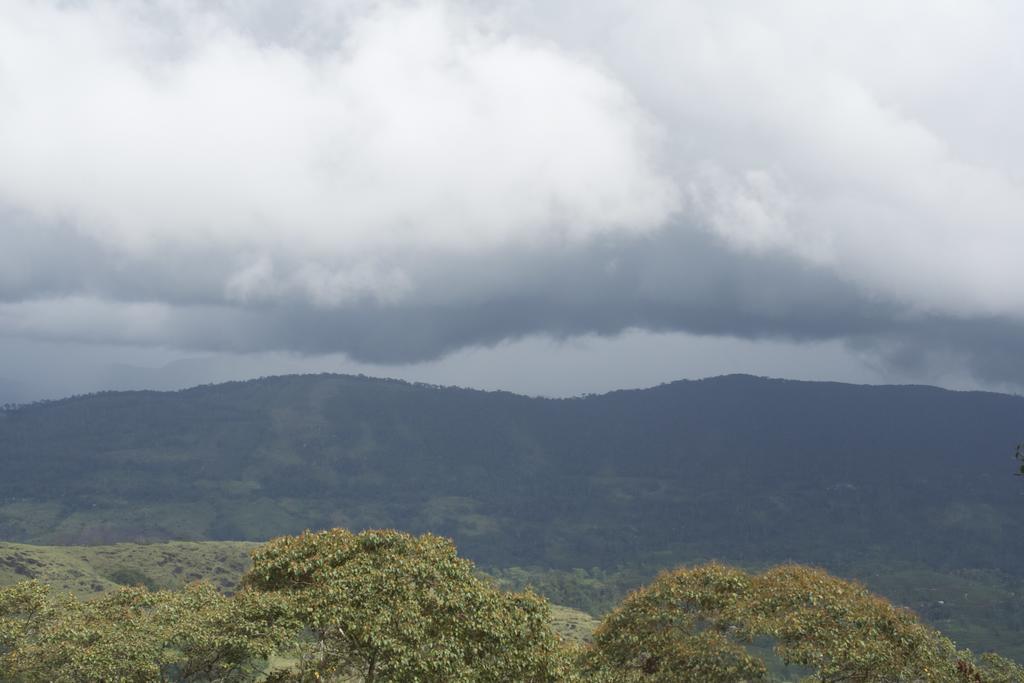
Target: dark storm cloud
<point x="677" y="280"/>
<point x="673" y="281"/>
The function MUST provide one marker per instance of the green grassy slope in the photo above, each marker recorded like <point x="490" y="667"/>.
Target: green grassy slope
<point x="572" y="624"/>
<point x="89" y="570"/>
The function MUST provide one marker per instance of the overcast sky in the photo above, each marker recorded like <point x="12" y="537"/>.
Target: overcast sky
<point x="547" y="197"/>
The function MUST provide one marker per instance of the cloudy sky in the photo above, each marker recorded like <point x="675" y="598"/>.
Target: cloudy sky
<point x="552" y="198"/>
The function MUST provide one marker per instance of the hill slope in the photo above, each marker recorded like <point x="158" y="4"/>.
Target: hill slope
<point x="735" y="467"/>
<point x="88" y="570"/>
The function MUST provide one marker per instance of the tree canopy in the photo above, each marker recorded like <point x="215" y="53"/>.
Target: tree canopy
<point x="695" y="624"/>
<point x="132" y="634"/>
<point x="388" y="606"/>
<point x="383" y="605"/>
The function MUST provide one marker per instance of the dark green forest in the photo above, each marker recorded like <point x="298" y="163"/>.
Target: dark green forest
<point x="910" y="489"/>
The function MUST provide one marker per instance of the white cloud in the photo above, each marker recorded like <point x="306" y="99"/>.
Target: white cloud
<point x="422" y="129"/>
<point x="846" y="110"/>
<point x="493" y="170"/>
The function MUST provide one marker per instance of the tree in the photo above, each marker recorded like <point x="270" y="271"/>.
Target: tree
<point x="990" y="668"/>
<point x="693" y="624"/>
<point x="23" y="612"/>
<point x="63" y="638"/>
<point x="388" y="606"/>
<point x="132" y="634"/>
<point x="677" y="629"/>
<point x="842" y="631"/>
<point x="214" y="637"/>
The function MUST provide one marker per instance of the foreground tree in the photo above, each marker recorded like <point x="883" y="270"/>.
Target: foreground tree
<point x="388" y="606"/>
<point x="132" y="634"/>
<point x="63" y="638"/>
<point x="680" y="628"/>
<point x="221" y="638"/>
<point x="693" y="624"/>
<point x="842" y="631"/>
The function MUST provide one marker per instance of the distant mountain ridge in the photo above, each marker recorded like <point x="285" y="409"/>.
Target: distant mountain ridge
<point x="736" y="467"/>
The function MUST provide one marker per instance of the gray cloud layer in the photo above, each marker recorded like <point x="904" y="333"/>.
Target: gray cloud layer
<point x="400" y="180"/>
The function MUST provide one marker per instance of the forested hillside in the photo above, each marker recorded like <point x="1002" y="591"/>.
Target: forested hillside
<point x="742" y="469"/>
<point x="734" y="467"/>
